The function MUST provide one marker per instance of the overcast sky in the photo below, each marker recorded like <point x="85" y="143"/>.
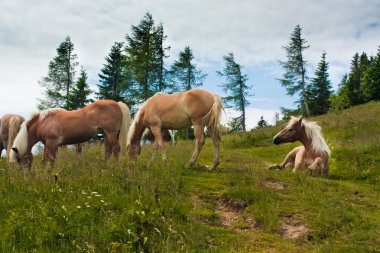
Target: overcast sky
<point x="255" y="31"/>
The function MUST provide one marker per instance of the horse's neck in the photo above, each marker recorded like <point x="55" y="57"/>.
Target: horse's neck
<point x="32" y="135"/>
<point x="305" y="140"/>
<point x="139" y="131"/>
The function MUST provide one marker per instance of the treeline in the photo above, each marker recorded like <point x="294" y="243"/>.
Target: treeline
<point x="315" y="95"/>
<point x="135" y="70"/>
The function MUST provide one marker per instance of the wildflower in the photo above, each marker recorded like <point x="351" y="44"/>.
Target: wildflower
<point x="79" y="207"/>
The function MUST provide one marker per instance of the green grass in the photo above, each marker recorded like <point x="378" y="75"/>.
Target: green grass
<point x="99" y="206"/>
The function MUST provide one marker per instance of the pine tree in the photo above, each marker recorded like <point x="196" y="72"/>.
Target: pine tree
<point x="237" y="91"/>
<point x="145" y="53"/>
<point x="184" y="73"/>
<point x="294" y="79"/>
<point x="162" y="72"/>
<point x="371" y="79"/>
<point x="60" y="78"/>
<point x="340" y="100"/>
<point x="261" y="123"/>
<point x="354" y="91"/>
<point x="113" y="79"/>
<point x="276" y="118"/>
<point x="320" y="89"/>
<point x="81" y="92"/>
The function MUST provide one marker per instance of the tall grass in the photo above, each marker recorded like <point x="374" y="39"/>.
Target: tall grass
<point x="105" y="206"/>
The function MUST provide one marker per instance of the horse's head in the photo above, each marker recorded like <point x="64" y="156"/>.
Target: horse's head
<point x="290" y="133"/>
<point x="20" y="152"/>
<point x="24" y="160"/>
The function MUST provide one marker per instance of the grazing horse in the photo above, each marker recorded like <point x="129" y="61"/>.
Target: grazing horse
<point x="314" y="153"/>
<point x="55" y="127"/>
<point x="178" y="111"/>
<point x="9" y="127"/>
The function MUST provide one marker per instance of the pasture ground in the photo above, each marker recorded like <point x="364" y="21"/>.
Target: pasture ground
<point x="98" y="206"/>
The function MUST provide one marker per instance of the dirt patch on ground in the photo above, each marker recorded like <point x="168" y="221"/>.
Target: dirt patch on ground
<point x="274" y="185"/>
<point x="232" y="216"/>
<point x="294" y="230"/>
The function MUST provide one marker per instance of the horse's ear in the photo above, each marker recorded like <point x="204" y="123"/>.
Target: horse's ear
<point x="300" y="120"/>
<point x="15" y="150"/>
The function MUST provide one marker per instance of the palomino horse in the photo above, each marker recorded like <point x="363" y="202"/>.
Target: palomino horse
<point x="57" y="127"/>
<point x="178" y="111"/>
<point x="314" y="153"/>
<point x="9" y="127"/>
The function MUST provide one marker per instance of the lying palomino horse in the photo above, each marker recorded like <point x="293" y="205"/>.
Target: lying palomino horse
<point x="178" y="111"/>
<point x="55" y="127"/>
<point x="314" y="153"/>
<point x="9" y="127"/>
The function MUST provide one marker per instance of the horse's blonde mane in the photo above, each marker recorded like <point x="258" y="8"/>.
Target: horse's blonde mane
<point x="132" y="129"/>
<point x="46" y="112"/>
<point x="313" y="132"/>
<point x="20" y="142"/>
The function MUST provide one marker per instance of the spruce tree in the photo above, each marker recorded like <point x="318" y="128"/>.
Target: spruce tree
<point x="340" y="100"/>
<point x="319" y="90"/>
<point x="237" y="91"/>
<point x="145" y="54"/>
<point x="359" y="65"/>
<point x="113" y="79"/>
<point x="60" y="78"/>
<point x="184" y="73"/>
<point x="294" y="78"/>
<point x="261" y="123"/>
<point x="371" y="79"/>
<point x="81" y="92"/>
<point x="160" y="49"/>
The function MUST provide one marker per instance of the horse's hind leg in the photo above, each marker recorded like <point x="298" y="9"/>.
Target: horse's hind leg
<point x="199" y="142"/>
<point x="216" y="140"/>
<point x="111" y="145"/>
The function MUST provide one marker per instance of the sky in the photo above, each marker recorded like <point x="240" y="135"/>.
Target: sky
<point x="254" y="30"/>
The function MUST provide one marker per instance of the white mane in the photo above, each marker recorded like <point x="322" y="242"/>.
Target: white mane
<point x="20" y="142"/>
<point x="313" y="132"/>
<point x="46" y="112"/>
<point x="132" y="129"/>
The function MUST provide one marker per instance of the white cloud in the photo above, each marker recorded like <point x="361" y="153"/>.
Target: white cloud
<point x="252" y="116"/>
<point x="254" y="30"/>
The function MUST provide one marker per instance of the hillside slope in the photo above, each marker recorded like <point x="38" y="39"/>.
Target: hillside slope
<point x="99" y="206"/>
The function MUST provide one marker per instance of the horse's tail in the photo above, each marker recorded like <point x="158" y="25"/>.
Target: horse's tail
<point x="14" y="127"/>
<point x="212" y="118"/>
<point x="124" y="128"/>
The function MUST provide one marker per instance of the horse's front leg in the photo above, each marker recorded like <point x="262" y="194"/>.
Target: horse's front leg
<point x="158" y="143"/>
<point x="289" y="160"/>
<point x="299" y="158"/>
<point x="316" y="167"/>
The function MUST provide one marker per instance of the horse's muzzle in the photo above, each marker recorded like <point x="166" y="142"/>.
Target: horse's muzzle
<point x="277" y="140"/>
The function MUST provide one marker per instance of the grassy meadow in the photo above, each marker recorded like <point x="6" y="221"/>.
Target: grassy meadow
<point x="98" y="206"/>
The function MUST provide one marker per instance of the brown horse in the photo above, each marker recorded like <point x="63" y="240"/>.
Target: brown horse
<point x="178" y="111"/>
<point x="9" y="127"/>
<point x="55" y="127"/>
<point x="314" y="153"/>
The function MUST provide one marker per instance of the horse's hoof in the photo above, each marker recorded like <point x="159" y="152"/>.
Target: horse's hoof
<point x="274" y="167"/>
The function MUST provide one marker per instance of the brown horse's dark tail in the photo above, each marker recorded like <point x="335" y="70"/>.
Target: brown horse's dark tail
<point x="213" y="117"/>
<point x="124" y="128"/>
